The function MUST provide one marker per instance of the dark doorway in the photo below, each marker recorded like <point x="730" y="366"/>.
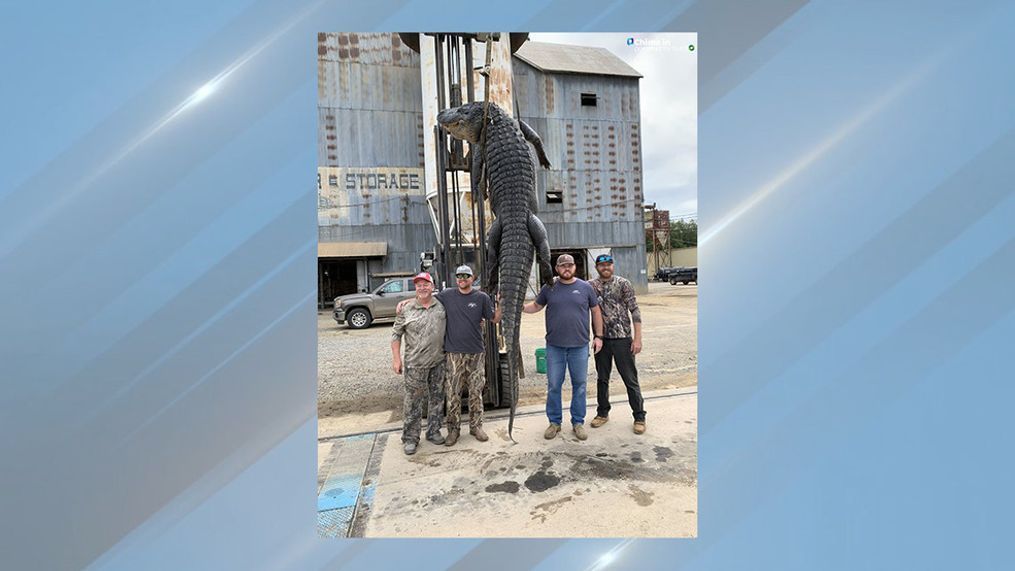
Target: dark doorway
<point x="580" y="266"/>
<point x="335" y="277"/>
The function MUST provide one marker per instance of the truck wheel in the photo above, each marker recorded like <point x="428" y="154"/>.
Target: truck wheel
<point x="673" y="282"/>
<point x="358" y="318"/>
<point x="684" y="282"/>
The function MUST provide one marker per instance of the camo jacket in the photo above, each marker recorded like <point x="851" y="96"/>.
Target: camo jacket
<point x="423" y="329"/>
<point x="618" y="304"/>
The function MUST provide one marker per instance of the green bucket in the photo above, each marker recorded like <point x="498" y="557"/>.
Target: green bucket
<point x="541" y="360"/>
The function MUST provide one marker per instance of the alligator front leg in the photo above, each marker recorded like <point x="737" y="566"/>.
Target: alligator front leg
<point x="532" y="137"/>
<point x="492" y="262"/>
<point x="538" y="233"/>
<point x="475" y="160"/>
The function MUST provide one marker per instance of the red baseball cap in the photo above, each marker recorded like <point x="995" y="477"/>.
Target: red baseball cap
<point x="423" y="276"/>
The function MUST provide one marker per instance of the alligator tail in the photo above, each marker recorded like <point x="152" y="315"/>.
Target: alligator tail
<point x="515" y="266"/>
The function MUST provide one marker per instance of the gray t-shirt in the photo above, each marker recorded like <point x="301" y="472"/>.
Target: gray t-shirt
<point x="567" y="312"/>
<point x="463" y="333"/>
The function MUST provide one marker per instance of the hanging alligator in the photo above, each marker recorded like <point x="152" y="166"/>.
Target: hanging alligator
<point x="516" y="232"/>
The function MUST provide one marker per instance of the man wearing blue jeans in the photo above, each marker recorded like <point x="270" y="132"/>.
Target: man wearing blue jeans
<point x="568" y="303"/>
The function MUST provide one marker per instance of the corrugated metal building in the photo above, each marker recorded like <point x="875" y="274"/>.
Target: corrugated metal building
<point x="584" y="104"/>
<point x="372" y="215"/>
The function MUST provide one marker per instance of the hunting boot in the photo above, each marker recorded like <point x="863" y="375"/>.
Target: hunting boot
<point x="579" y="432"/>
<point x="598" y="421"/>
<point x="452" y="437"/>
<point x="639" y="427"/>
<point x="479" y="434"/>
<point x="551" y="431"/>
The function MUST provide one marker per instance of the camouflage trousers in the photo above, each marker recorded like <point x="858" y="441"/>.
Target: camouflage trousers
<point x="468" y="370"/>
<point x="422" y="384"/>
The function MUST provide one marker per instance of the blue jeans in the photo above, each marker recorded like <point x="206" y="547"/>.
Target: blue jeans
<point x="576" y="360"/>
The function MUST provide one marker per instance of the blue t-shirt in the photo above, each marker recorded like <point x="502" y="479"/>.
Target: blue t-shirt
<point x="567" y="312"/>
<point x="463" y="333"/>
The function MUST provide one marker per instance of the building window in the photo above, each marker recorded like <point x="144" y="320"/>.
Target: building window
<point x="588" y="99"/>
<point x="554" y="197"/>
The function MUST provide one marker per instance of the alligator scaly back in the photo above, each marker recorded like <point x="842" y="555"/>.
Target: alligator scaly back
<point x="517" y="232"/>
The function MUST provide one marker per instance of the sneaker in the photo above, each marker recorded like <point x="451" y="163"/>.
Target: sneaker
<point x="551" y="431"/>
<point x="579" y="432"/>
<point x="639" y="427"/>
<point x="479" y="434"/>
<point x="598" y="421"/>
<point x="452" y="438"/>
<point x="410" y="448"/>
<point x="436" y="438"/>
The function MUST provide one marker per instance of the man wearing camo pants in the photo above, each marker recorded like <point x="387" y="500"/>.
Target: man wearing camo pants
<point x="463" y="343"/>
<point x="421" y="323"/>
<point x="466" y="309"/>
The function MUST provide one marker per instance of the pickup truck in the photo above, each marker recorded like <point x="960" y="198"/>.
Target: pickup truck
<point x="359" y="310"/>
<point x="663" y="274"/>
<point x="684" y="275"/>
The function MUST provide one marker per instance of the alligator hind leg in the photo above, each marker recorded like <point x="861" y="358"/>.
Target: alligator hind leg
<point x="538" y="233"/>
<point x="492" y="262"/>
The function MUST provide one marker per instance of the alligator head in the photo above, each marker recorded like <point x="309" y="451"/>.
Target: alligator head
<point x="464" y="122"/>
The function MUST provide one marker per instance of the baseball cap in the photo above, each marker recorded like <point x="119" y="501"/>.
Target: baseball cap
<point x="463" y="270"/>
<point x="565" y="259"/>
<point x="604" y="258"/>
<point x="423" y="276"/>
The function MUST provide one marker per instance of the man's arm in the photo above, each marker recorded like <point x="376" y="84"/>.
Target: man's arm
<point x="532" y="307"/>
<point x="396" y="343"/>
<point x="538" y="304"/>
<point x="396" y="356"/>
<point x="597" y="328"/>
<point x="631" y="302"/>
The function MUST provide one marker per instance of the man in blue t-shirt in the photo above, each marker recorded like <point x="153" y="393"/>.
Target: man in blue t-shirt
<point x="568" y="303"/>
<point x="466" y="308"/>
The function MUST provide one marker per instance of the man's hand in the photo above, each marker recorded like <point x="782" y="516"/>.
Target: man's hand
<point x="402" y="304"/>
<point x="597" y="345"/>
<point x="497" y="312"/>
<point x="396" y="366"/>
<point x="636" y="346"/>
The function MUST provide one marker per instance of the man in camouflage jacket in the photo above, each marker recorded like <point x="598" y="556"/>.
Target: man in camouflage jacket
<point x="620" y="308"/>
<point x="421" y="324"/>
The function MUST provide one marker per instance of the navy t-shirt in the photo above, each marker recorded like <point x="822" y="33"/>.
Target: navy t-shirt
<point x="464" y="311"/>
<point x="567" y="312"/>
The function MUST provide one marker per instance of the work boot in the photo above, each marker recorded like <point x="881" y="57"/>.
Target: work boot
<point x="551" y="431"/>
<point x="479" y="434"/>
<point x="410" y="448"/>
<point x="599" y="421"/>
<point x="436" y="438"/>
<point x="639" y="427"/>
<point x="452" y="438"/>
<point x="579" y="432"/>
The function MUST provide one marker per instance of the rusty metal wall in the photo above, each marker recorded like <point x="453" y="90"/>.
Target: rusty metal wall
<point x="369" y="105"/>
<point x="370" y="128"/>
